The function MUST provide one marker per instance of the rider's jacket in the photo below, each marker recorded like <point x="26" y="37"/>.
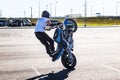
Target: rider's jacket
<point x="41" y="24"/>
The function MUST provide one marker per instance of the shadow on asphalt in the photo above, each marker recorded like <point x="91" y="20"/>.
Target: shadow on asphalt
<point x="61" y="75"/>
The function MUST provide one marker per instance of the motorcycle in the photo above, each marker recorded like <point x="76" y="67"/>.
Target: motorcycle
<point x="63" y="36"/>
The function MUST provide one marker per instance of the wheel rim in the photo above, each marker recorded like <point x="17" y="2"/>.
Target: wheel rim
<point x="69" y="61"/>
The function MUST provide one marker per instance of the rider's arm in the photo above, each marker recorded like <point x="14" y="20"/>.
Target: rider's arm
<point x="48" y="22"/>
<point x="48" y="27"/>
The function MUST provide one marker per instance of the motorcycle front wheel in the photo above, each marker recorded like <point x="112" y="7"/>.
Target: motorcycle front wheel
<point x="68" y="62"/>
<point x="69" y="20"/>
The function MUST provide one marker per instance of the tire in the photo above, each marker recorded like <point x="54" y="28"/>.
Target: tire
<point x="75" y="24"/>
<point x="66" y="63"/>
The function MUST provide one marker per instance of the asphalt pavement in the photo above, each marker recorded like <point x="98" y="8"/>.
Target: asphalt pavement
<point x="23" y="57"/>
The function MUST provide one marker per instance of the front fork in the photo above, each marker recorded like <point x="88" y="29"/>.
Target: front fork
<point x="69" y="56"/>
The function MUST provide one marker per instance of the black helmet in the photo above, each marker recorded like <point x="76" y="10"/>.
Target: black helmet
<point x="46" y="14"/>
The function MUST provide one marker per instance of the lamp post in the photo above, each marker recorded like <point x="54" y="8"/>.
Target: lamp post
<point x="91" y="10"/>
<point x="0" y="13"/>
<point x="51" y="9"/>
<point x="24" y="13"/>
<point x="103" y="11"/>
<point x="85" y="25"/>
<point x="71" y="12"/>
<point x="117" y="8"/>
<point x="55" y="7"/>
<point x="39" y="9"/>
<point x="31" y="12"/>
<point x="47" y="7"/>
<point x="117" y="11"/>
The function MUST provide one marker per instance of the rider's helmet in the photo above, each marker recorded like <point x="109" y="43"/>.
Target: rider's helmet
<point x="69" y="25"/>
<point x="46" y="14"/>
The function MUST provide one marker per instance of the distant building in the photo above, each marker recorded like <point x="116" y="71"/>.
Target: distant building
<point x="74" y="15"/>
<point x="98" y="14"/>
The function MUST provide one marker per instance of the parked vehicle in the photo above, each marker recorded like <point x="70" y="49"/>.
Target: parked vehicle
<point x="19" y="22"/>
<point x="3" y="22"/>
<point x="14" y="22"/>
<point x="26" y="22"/>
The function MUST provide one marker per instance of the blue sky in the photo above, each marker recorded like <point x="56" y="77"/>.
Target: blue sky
<point x="21" y="8"/>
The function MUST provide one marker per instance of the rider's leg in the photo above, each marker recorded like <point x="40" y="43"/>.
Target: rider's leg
<point x="40" y="36"/>
<point x="46" y="46"/>
<point x="50" y="41"/>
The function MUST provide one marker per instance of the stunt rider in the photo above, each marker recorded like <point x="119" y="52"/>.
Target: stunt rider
<point x="42" y="35"/>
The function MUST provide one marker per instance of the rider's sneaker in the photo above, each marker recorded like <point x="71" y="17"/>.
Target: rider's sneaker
<point x="54" y="57"/>
<point x="52" y="53"/>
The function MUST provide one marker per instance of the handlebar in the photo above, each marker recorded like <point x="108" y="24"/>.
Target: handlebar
<point x="68" y="24"/>
<point x="55" y="25"/>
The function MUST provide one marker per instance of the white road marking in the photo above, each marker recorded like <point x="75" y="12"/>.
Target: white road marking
<point x="114" y="69"/>
<point x="36" y="71"/>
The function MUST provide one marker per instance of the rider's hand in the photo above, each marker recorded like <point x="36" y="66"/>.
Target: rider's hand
<point x="48" y="28"/>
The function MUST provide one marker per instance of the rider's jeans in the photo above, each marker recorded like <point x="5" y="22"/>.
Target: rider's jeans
<point x="46" y="41"/>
